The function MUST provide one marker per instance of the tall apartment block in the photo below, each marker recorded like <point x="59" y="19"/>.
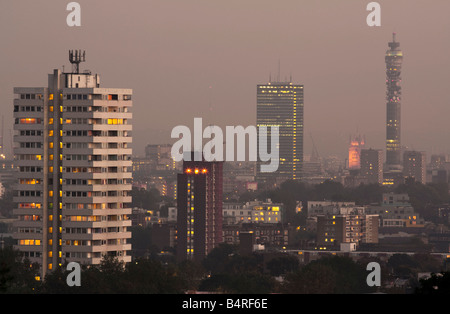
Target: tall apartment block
<point x="281" y="104"/>
<point x="72" y="146"/>
<point x="199" y="202"/>
<point x="372" y="165"/>
<point x="394" y="59"/>
<point x="414" y="165"/>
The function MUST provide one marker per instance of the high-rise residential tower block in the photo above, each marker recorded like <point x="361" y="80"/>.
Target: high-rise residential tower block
<point x="414" y="165"/>
<point x="73" y="193"/>
<point x="199" y="203"/>
<point x="372" y="165"/>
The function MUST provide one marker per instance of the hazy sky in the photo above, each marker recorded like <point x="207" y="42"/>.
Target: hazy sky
<point x="203" y="58"/>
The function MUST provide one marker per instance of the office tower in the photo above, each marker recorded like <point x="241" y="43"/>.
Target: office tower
<point x="394" y="58"/>
<point x="354" y="152"/>
<point x="414" y="165"/>
<point x="199" y="202"/>
<point x="372" y="165"/>
<point x="73" y="190"/>
<point x="281" y="104"/>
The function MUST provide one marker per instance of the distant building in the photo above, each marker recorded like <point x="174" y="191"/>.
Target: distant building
<point x="399" y="217"/>
<point x="142" y="167"/>
<point x="164" y="235"/>
<point x="414" y="165"/>
<point x="313" y="170"/>
<point x="256" y="211"/>
<point x="354" y="152"/>
<point x="353" y="226"/>
<point x="393" y="178"/>
<point x="437" y="161"/>
<point x="396" y="211"/>
<point x="372" y="165"/>
<point x="439" y="169"/>
<point x="281" y="104"/>
<point x="394" y="199"/>
<point x="138" y="217"/>
<point x="393" y="59"/>
<point x="269" y="235"/>
<point x="161" y="155"/>
<point x="439" y="176"/>
<point x="156" y="169"/>
<point x="8" y="171"/>
<point x="172" y="215"/>
<point x="316" y="208"/>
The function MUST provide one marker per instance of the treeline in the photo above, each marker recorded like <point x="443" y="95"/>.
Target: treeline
<point x="142" y="276"/>
<point x="224" y="270"/>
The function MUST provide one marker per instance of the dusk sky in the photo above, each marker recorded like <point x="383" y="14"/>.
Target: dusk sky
<point x="203" y="58"/>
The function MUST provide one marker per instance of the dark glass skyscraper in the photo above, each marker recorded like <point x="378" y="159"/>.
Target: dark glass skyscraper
<point x="281" y="104"/>
<point x="394" y="58"/>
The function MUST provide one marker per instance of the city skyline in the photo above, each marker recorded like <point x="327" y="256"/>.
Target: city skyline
<point x="336" y="56"/>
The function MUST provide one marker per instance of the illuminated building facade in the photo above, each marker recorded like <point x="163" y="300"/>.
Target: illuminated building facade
<point x="353" y="227"/>
<point x="372" y="165"/>
<point x="414" y="165"/>
<point x="199" y="214"/>
<point x="271" y="235"/>
<point x="252" y="212"/>
<point x="73" y="191"/>
<point x="281" y="104"/>
<point x="394" y="58"/>
<point x="354" y="153"/>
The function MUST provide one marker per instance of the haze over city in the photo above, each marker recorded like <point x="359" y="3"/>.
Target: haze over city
<point x="210" y="149"/>
<point x="187" y="59"/>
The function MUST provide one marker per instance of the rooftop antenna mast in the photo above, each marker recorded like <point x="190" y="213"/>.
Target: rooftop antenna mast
<point x="76" y="57"/>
